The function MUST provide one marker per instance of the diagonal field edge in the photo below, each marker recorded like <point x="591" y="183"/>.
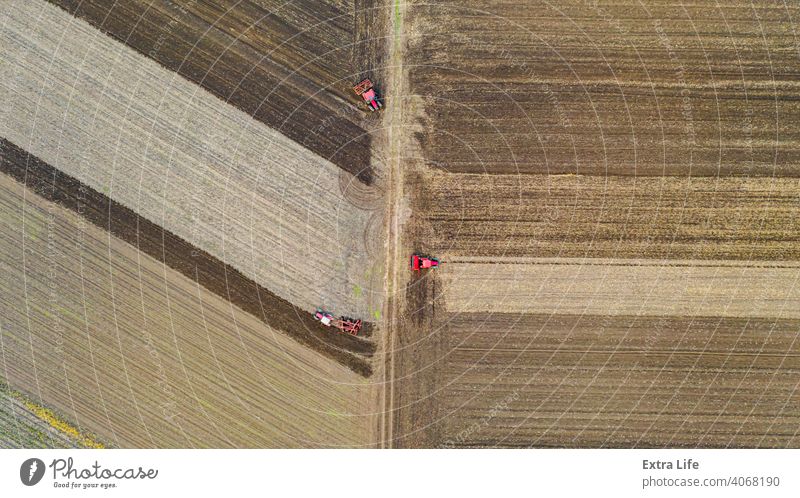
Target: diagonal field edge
<point x="310" y="112"/>
<point x="191" y="261"/>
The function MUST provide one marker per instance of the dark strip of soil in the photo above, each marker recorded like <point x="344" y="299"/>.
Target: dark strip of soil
<point x="283" y="64"/>
<point x="191" y="261"/>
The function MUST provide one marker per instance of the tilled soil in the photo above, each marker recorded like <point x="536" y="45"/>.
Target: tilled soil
<point x="21" y="428"/>
<point x="418" y="349"/>
<point x="601" y="217"/>
<point x="618" y="381"/>
<point x="607" y="88"/>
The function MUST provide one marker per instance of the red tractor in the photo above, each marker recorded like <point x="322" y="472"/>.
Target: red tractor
<point x="367" y="92"/>
<point x="345" y="324"/>
<point x="419" y="262"/>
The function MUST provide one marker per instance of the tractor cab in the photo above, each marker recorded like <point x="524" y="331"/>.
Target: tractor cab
<point x="324" y="317"/>
<point x="419" y="262"/>
<point x="345" y="324"/>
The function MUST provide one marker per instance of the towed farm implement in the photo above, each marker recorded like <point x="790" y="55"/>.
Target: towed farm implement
<point x="344" y="324"/>
<point x="367" y="92"/>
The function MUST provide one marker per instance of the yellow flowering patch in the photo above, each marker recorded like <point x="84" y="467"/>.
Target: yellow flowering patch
<point x="57" y="423"/>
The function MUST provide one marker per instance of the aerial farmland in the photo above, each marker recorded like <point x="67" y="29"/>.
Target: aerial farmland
<point x="207" y="233"/>
<point x="157" y="206"/>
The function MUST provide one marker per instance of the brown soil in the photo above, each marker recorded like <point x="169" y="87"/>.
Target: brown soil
<point x="593" y="380"/>
<point x="608" y="88"/>
<point x="597" y="217"/>
<point x="687" y="288"/>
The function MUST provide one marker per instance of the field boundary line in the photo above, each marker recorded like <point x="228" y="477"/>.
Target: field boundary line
<point x="395" y="189"/>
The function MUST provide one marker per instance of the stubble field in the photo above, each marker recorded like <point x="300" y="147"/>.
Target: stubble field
<point x="607" y="88"/>
<point x="140" y="355"/>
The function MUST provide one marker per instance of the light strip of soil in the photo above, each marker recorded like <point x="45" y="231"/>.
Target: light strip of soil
<point x="755" y="290"/>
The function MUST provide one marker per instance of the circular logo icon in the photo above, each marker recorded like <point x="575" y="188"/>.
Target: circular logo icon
<point x="31" y="471"/>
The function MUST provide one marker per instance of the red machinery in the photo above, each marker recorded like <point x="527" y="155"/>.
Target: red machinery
<point x="367" y="92"/>
<point x="345" y="324"/>
<point x="419" y="262"/>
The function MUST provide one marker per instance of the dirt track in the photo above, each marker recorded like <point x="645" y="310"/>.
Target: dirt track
<point x="288" y="64"/>
<point x="185" y="160"/>
<point x="133" y="351"/>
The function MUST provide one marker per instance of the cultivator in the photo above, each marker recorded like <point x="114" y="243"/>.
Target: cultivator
<point x="344" y="324"/>
<point x="367" y="92"/>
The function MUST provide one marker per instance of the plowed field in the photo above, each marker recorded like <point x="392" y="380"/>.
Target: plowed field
<point x="608" y="88"/>
<point x="612" y="187"/>
<point x="161" y="146"/>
